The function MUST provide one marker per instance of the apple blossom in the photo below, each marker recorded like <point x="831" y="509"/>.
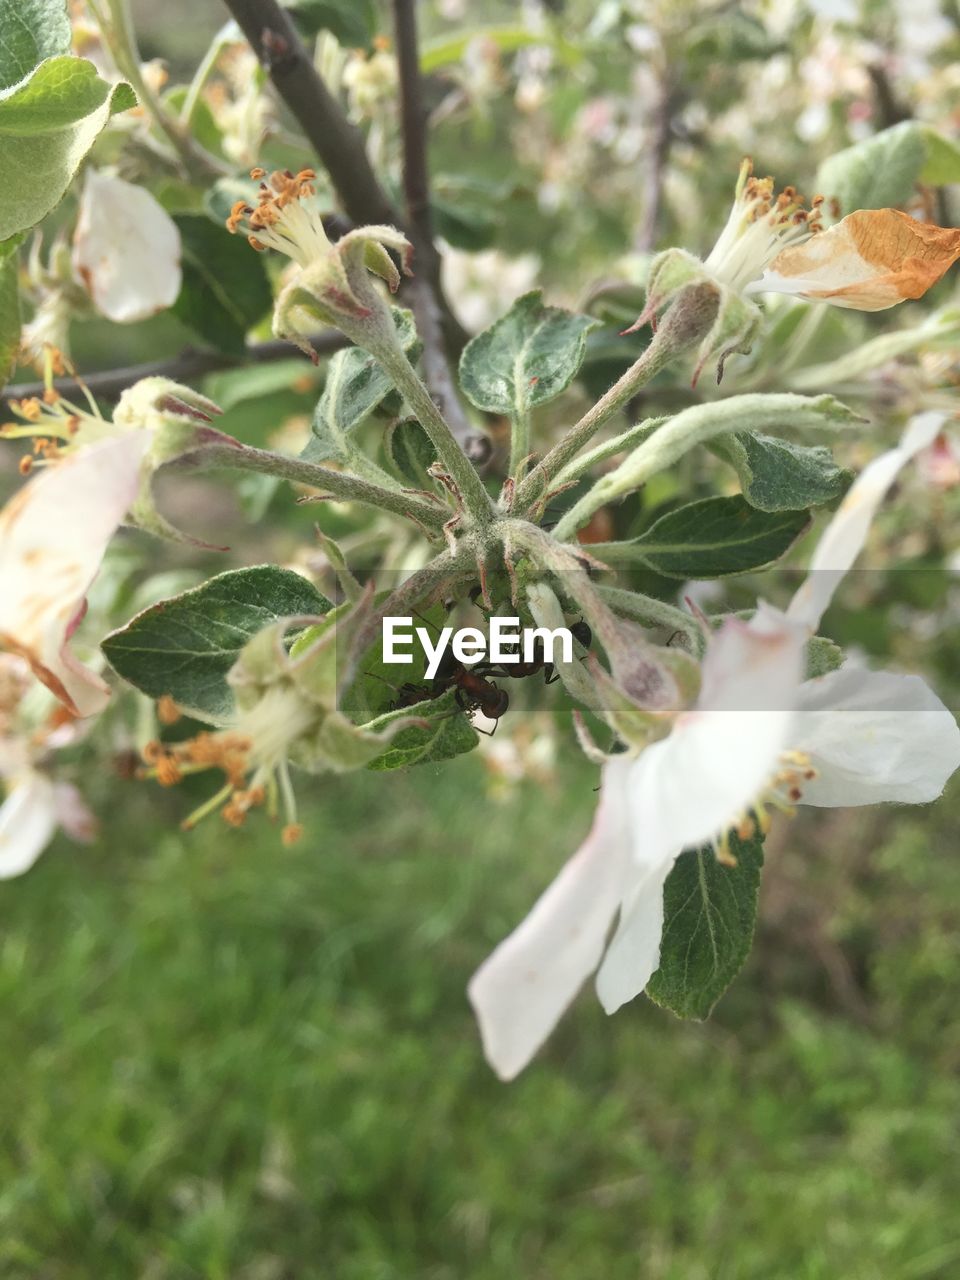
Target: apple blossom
<point x="870" y="260"/>
<point x="126" y="249"/>
<point x="756" y="738"/>
<point x="332" y="281"/>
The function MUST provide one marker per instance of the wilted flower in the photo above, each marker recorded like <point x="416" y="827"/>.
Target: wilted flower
<point x="756" y="739"/>
<point x="126" y="249"/>
<point x="772" y="243"/>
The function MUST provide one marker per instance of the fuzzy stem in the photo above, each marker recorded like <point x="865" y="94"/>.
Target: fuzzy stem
<point x="477" y="503"/>
<point x="340" y="485"/>
<point x="683" y="325"/>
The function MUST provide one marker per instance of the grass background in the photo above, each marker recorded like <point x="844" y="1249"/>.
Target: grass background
<point x="222" y="1058"/>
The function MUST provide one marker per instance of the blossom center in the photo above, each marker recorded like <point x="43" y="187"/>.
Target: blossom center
<point x="761" y="224"/>
<point x="281" y="219"/>
<point x="783" y="793"/>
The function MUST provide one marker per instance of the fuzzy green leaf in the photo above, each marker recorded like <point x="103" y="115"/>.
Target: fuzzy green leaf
<point x="32" y="30"/>
<point x="877" y="173"/>
<point x="48" y="123"/>
<point x="709" y="913"/>
<point x="526" y="358"/>
<point x="355" y="386"/>
<point x="225" y="289"/>
<point x="712" y="538"/>
<point x="777" y="475"/>
<point x="185" y="646"/>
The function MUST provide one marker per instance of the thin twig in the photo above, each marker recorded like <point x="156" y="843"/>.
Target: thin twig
<point x="416" y="191"/>
<point x="337" y="142"/>
<point x="107" y="384"/>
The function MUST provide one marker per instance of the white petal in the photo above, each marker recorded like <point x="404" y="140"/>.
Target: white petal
<point x="520" y="992"/>
<point x="844" y="536"/>
<point x="53" y="534"/>
<point x="126" y="249"/>
<point x="633" y="956"/>
<point x="694" y="784"/>
<point x="873" y="737"/>
<point x="27" y="824"/>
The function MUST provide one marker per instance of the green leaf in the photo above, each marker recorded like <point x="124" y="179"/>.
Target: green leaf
<point x="411" y="451"/>
<point x="448" y="734"/>
<point x="353" y="22"/>
<point x="186" y="646"/>
<point x="526" y="358"/>
<point x="9" y="315"/>
<point x="225" y="289"/>
<point x="32" y="30"/>
<point x="777" y="475"/>
<point x="942" y="165"/>
<point x="877" y="173"/>
<point x="355" y="385"/>
<point x="709" y="539"/>
<point x="48" y="123"/>
<point x="709" y="913"/>
<point x="821" y="656"/>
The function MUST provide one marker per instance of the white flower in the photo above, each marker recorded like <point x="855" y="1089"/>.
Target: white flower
<point x="126" y="250"/>
<point x="756" y="738"/>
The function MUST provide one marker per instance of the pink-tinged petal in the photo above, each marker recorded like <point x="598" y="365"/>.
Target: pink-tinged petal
<point x="694" y="784"/>
<point x="845" y="535"/>
<point x="73" y="813"/>
<point x="53" y="535"/>
<point x="869" y="261"/>
<point x="27" y="823"/>
<point x="520" y="992"/>
<point x="874" y="736"/>
<point x="126" y="250"/>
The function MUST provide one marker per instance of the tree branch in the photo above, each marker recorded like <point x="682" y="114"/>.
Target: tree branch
<point x="425" y="289"/>
<point x="337" y="142"/>
<point x="107" y="384"/>
<point x="655" y="163"/>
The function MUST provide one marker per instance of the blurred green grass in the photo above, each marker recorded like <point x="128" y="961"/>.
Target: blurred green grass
<point x="222" y="1058"/>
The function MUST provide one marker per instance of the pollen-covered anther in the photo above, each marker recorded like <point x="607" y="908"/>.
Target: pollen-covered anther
<point x="291" y="833"/>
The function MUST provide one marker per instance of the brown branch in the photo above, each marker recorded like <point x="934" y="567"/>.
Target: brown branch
<point x="337" y="142"/>
<point x="425" y="291"/>
<point x="108" y="384"/>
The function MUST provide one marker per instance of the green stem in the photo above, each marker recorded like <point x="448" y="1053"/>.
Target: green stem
<point x="649" y="611"/>
<point x="519" y="441"/>
<point x="683" y="325"/>
<point x="339" y="484"/>
<point x="477" y="503"/>
<point x="628" y="439"/>
<point x="116" y="26"/>
<point x="200" y="78"/>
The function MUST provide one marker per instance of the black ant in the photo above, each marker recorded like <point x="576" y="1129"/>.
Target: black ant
<point x="473" y="691"/>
